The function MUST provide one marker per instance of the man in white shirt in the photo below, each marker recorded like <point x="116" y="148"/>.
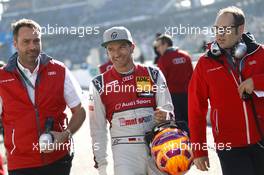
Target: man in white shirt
<point x="34" y="88"/>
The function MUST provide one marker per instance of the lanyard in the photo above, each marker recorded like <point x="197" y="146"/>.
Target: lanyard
<point x="26" y="80"/>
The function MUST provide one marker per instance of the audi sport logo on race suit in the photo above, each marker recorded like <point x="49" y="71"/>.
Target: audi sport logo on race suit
<point x="118" y="106"/>
<point x="125" y="105"/>
<point x="180" y="60"/>
<point x="114" y="35"/>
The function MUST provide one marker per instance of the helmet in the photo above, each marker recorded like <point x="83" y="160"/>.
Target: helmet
<point x="171" y="150"/>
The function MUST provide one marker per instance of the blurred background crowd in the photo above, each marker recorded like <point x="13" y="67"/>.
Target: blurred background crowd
<point x="143" y="18"/>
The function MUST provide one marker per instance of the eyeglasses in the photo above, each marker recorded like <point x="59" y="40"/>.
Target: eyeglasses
<point x="221" y="30"/>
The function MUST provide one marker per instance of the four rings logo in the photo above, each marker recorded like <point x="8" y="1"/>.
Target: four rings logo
<point x="127" y="78"/>
<point x="52" y="73"/>
<point x="180" y="60"/>
<point x="114" y="35"/>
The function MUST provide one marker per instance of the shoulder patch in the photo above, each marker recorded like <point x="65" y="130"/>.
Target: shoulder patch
<point x="154" y="74"/>
<point x="98" y="83"/>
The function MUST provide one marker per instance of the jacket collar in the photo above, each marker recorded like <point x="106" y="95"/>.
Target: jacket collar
<point x="171" y="49"/>
<point x="12" y="61"/>
<point x="251" y="43"/>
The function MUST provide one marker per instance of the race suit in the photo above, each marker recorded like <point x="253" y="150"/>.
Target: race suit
<point x="105" y="67"/>
<point x="130" y="114"/>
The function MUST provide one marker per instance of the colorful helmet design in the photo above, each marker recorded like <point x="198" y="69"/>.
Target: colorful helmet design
<point x="171" y="151"/>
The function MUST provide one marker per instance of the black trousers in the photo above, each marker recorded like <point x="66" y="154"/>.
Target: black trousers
<point x="180" y="103"/>
<point x="60" y="167"/>
<point x="243" y="161"/>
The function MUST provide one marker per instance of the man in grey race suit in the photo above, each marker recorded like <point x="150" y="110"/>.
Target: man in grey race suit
<point x="130" y="98"/>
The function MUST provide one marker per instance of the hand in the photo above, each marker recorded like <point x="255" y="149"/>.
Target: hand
<point x="59" y="139"/>
<point x="159" y="115"/>
<point x="202" y="163"/>
<point x="246" y="86"/>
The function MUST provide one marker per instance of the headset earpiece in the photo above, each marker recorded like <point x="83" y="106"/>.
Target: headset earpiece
<point x="215" y="49"/>
<point x="240" y="50"/>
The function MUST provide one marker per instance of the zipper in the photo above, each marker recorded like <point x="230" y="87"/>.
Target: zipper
<point x="215" y="114"/>
<point x="13" y="141"/>
<point x="244" y="107"/>
<point x="36" y="110"/>
<point x="38" y="127"/>
<point x="36" y="116"/>
<point x="246" y="115"/>
<point x="37" y="119"/>
<point x="244" y="103"/>
<point x="246" y="120"/>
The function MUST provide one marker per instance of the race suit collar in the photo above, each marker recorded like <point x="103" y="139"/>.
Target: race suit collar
<point x="120" y="75"/>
